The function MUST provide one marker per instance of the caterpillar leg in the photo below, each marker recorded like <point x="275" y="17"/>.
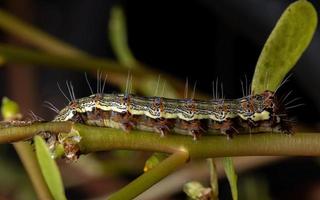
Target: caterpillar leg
<point x="193" y="128"/>
<point x="163" y="126"/>
<point x="125" y="121"/>
<point x="229" y="128"/>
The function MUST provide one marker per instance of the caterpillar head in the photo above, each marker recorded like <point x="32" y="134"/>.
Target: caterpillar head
<point x="267" y="107"/>
<point x="74" y="107"/>
<point x="258" y="107"/>
<point x="66" y="114"/>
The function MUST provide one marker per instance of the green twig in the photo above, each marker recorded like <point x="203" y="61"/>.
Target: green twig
<point x="101" y="139"/>
<point x="151" y="177"/>
<point x="36" y="37"/>
<point x="15" y="54"/>
<point x="66" y="56"/>
<point x="15" y="134"/>
<point x="264" y="144"/>
<point x="142" y="76"/>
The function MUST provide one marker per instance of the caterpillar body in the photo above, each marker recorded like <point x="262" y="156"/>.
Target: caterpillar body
<point x="252" y="113"/>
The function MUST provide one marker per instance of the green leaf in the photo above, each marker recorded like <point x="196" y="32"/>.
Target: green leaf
<point x="231" y="175"/>
<point x="213" y="178"/>
<point x="285" y="45"/>
<point x="49" y="169"/>
<point x="119" y="39"/>
<point x="10" y="109"/>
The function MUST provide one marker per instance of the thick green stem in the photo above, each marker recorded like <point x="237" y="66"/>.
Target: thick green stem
<point x="15" y="134"/>
<point x="151" y="177"/>
<point x="101" y="139"/>
<point x="265" y="144"/>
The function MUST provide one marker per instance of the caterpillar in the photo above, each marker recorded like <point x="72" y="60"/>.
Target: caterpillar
<point x="194" y="117"/>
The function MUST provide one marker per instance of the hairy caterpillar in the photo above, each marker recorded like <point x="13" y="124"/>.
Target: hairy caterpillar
<point x="251" y="113"/>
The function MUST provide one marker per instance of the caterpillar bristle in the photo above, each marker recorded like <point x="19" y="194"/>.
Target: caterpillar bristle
<point x="63" y="92"/>
<point x="34" y="117"/>
<point x="87" y="80"/>
<point x="52" y="107"/>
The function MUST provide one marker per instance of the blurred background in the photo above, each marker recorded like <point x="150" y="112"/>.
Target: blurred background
<point x="200" y="40"/>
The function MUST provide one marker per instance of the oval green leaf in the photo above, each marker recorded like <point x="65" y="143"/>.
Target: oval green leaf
<point x="285" y="45"/>
<point x="49" y="169"/>
<point x="213" y="179"/>
<point x="231" y="176"/>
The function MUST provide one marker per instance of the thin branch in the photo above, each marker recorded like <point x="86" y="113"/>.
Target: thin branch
<point x="117" y="73"/>
<point x="21" y="55"/>
<point x="264" y="144"/>
<point x="36" y="37"/>
<point x="15" y="134"/>
<point x="101" y="139"/>
<point x="151" y="177"/>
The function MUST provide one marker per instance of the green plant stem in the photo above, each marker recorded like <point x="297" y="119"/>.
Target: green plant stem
<point x="264" y="144"/>
<point x="30" y="163"/>
<point x="67" y="56"/>
<point x="15" y="134"/>
<point x="36" y="37"/>
<point x="102" y="139"/>
<point x="117" y="73"/>
<point x="151" y="177"/>
<point x="21" y="55"/>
